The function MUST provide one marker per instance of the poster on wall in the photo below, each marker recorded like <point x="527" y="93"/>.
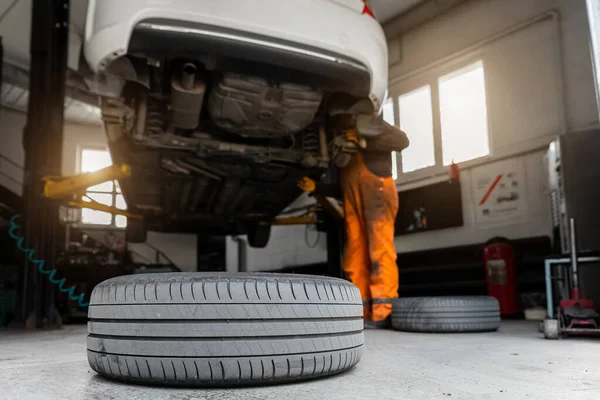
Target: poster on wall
<point x="499" y="191"/>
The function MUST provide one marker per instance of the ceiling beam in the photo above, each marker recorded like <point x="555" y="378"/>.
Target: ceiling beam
<point x="18" y="76"/>
<point x="417" y="16"/>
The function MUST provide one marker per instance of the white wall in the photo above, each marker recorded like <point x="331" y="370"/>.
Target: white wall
<point x="526" y="80"/>
<point x="181" y="249"/>
<point x="593" y="7"/>
<point x="288" y="246"/>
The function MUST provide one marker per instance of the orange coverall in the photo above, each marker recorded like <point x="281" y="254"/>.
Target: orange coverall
<point x="370" y="205"/>
<point x="369" y="261"/>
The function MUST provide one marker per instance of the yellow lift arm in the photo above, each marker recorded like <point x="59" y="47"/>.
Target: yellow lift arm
<point x="302" y="220"/>
<point x="94" y="205"/>
<point x="63" y="187"/>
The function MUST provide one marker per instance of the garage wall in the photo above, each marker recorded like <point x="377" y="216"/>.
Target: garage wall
<point x="539" y="84"/>
<point x="593" y="7"/>
<point x="181" y="249"/>
<point x="288" y="246"/>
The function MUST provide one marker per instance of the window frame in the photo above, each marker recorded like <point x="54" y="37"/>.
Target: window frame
<point x="431" y="77"/>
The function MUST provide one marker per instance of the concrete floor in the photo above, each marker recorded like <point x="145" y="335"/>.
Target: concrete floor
<point x="514" y="363"/>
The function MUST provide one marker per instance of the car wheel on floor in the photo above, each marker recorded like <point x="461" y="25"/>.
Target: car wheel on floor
<point x="446" y="314"/>
<point x="217" y="329"/>
<point x="259" y="235"/>
<point x="136" y="231"/>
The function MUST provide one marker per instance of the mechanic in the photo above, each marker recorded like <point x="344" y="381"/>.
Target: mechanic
<point x="370" y="202"/>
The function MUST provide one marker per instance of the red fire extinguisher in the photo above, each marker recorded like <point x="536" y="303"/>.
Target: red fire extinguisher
<point x="500" y="268"/>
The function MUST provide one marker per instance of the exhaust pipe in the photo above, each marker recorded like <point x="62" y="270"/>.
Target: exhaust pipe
<point x="187" y="96"/>
<point x="188" y="76"/>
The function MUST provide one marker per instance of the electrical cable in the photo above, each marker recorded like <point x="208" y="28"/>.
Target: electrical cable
<point x="41" y="263"/>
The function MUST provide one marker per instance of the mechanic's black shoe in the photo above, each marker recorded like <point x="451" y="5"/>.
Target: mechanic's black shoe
<point x="385" y="324"/>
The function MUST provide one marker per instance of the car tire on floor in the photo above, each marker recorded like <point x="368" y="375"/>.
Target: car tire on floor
<point x="446" y="314"/>
<point x="217" y="329"/>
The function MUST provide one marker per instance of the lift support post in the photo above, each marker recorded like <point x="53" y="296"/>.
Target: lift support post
<point x="42" y="142"/>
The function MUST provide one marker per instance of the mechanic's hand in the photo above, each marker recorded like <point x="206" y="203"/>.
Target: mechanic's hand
<point x="307" y="184"/>
<point x="352" y="136"/>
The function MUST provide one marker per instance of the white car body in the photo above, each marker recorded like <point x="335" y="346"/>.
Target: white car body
<point x="334" y="31"/>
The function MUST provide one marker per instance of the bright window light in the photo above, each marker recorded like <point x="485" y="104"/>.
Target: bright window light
<point x="388" y="116"/>
<point x="107" y="193"/>
<point x="121" y="202"/>
<point x="97" y="217"/>
<point x="93" y="160"/>
<point x="388" y="111"/>
<point x="463" y="115"/>
<point x="120" y="221"/>
<point x="417" y="121"/>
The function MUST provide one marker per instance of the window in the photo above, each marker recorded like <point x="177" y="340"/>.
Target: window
<point x="107" y="193"/>
<point x="389" y="117"/>
<point x="463" y="115"/>
<point x="416" y="120"/>
<point x="462" y="134"/>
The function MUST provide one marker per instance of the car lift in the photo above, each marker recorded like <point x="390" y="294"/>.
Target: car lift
<point x="61" y="188"/>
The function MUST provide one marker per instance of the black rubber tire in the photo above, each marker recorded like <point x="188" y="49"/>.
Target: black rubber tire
<point x="136" y="231"/>
<point x="259" y="235"/>
<point x="446" y="314"/>
<point x="223" y="330"/>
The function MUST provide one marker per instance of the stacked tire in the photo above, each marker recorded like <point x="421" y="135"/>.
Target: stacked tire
<point x="446" y="314"/>
<point x="211" y="329"/>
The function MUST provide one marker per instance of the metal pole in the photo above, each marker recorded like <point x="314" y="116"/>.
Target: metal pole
<point x="42" y="142"/>
<point x="573" y="245"/>
<point x="549" y="297"/>
<point x="242" y="254"/>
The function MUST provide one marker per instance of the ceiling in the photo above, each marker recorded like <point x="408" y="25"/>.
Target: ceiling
<point x="385" y="10"/>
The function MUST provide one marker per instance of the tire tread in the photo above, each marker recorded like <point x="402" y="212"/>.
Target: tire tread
<point x="224" y="328"/>
<point x="446" y="314"/>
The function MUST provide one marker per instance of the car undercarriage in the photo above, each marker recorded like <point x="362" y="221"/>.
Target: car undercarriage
<point x="216" y="151"/>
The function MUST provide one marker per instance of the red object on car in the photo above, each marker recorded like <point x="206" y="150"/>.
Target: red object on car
<point x="501" y="277"/>
<point x="368" y="10"/>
